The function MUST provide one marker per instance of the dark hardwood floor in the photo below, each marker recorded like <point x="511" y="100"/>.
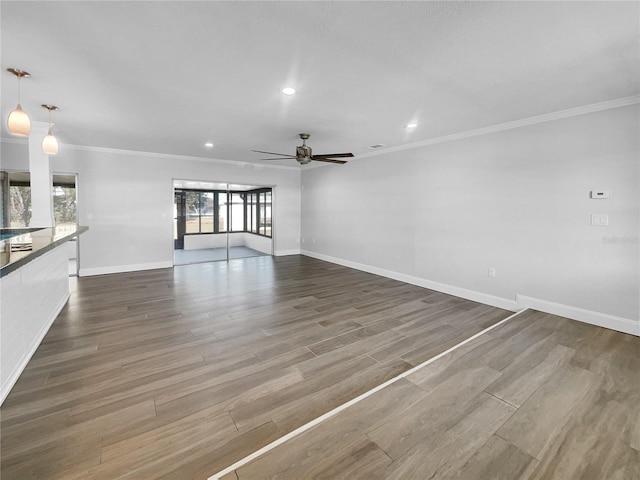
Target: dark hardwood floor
<point x="179" y="373"/>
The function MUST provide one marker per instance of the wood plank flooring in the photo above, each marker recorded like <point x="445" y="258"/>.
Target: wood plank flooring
<point x="178" y="373"/>
<point x="540" y="397"/>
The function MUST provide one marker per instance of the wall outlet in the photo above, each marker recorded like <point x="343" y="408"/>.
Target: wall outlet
<point x="492" y="272"/>
<point x="599" y="219"/>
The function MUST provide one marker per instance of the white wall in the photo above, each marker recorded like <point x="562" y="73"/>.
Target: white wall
<point x="126" y="199"/>
<point x="213" y="240"/>
<point x="515" y="200"/>
<point x="258" y="242"/>
<point x="237" y="239"/>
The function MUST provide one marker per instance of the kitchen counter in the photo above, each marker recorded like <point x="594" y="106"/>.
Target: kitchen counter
<point x="34" y="283"/>
<point x="30" y="243"/>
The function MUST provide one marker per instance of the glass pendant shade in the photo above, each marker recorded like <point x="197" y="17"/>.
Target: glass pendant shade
<point x="50" y="144"/>
<point x="18" y="123"/>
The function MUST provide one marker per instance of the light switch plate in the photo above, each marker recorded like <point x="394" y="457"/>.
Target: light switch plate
<point x="599" y="193"/>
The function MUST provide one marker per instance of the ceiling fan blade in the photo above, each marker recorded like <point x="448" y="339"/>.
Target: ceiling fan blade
<point x="328" y="160"/>
<point x="281" y="158"/>
<point x="336" y="155"/>
<point x="272" y="153"/>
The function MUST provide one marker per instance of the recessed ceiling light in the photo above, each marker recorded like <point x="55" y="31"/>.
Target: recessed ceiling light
<point x="288" y="91"/>
<point x="208" y="145"/>
<point x="412" y="125"/>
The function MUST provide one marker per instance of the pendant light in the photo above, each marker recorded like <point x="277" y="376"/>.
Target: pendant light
<point x="49" y="143"/>
<point x="18" y="122"/>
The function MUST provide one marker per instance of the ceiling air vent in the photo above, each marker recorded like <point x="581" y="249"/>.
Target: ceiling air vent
<point x="377" y="145"/>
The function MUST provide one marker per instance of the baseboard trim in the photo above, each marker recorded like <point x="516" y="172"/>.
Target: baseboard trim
<point x="284" y="253"/>
<point x="605" y="320"/>
<point x="88" y="272"/>
<point x="15" y="375"/>
<point x="473" y="295"/>
<point x="612" y="322"/>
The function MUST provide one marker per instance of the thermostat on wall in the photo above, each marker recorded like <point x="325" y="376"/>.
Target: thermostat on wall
<point x="599" y="193"/>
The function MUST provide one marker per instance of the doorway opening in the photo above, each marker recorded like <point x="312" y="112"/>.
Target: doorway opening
<point x="65" y="212"/>
<point x="216" y="221"/>
<point x="15" y="206"/>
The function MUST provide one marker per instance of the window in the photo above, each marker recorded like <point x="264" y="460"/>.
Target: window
<point x="220" y="212"/>
<point x="20" y="205"/>
<point x="265" y="214"/>
<point x="253" y="212"/>
<point x="261" y="206"/>
<point x="16" y="199"/>
<point x="207" y="207"/>
<point x="237" y="212"/>
<point x="192" y="212"/>
<point x="64" y="200"/>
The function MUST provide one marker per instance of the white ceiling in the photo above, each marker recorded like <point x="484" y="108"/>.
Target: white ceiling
<point x="169" y="76"/>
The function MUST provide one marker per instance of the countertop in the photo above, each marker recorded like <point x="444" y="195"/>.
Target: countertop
<point x="20" y="250"/>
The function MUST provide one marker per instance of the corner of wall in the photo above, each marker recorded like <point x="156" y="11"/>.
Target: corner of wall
<point x="612" y="322"/>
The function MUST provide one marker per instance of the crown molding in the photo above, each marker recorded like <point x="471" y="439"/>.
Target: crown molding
<point x="547" y="117"/>
<point x="169" y="156"/>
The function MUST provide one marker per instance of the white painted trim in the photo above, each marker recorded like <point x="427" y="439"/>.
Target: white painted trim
<point x="605" y="320"/>
<point x="473" y="295"/>
<point x="88" y="272"/>
<point x="171" y="156"/>
<point x="547" y="117"/>
<point x="351" y="402"/>
<point x="15" y="375"/>
<point x="284" y="253"/>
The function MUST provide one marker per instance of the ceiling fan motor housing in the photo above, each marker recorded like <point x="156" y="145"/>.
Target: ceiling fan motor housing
<point x="303" y="154"/>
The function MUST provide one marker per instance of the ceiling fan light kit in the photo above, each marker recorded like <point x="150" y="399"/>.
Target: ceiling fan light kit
<point x="304" y="154"/>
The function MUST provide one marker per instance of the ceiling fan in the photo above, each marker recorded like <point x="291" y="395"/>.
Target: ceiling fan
<point x="303" y="154"/>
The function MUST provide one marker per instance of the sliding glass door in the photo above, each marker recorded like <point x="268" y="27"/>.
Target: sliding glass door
<point x="220" y="221"/>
